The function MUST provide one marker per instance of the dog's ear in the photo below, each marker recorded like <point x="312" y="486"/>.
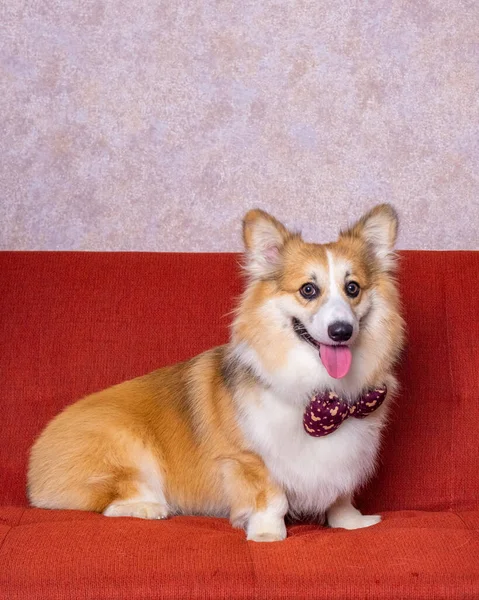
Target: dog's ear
<point x="379" y="229"/>
<point x="264" y="238"/>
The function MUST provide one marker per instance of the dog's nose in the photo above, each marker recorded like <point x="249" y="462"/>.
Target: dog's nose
<point x="340" y="331"/>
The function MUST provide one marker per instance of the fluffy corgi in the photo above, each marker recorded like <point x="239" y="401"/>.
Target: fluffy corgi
<point x="285" y="418"/>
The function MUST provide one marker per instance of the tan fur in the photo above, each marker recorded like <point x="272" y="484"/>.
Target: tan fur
<point x="179" y="426"/>
<point x="181" y="418"/>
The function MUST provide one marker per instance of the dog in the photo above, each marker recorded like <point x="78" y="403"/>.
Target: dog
<point x="286" y="418"/>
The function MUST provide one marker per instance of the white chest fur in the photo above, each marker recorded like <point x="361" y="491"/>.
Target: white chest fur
<point x="313" y="471"/>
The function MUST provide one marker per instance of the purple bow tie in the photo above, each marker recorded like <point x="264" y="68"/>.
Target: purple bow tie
<point x="326" y="411"/>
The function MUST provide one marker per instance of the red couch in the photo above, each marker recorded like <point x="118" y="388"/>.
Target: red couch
<point x="73" y="323"/>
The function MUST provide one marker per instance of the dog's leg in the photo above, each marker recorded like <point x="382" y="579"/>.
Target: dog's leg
<point x="141" y="493"/>
<point x="256" y="502"/>
<point x="343" y="514"/>
<point x="267" y="525"/>
<point x="146" y="503"/>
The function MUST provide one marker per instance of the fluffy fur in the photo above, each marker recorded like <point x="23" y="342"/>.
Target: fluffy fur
<point x="222" y="433"/>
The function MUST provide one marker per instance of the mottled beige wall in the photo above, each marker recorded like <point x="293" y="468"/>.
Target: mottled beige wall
<point x="155" y="124"/>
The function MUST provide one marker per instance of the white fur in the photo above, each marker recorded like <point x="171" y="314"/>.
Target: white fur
<point x="136" y="507"/>
<point x="336" y="308"/>
<point x="315" y="472"/>
<point x="268" y="525"/>
<point x="343" y="514"/>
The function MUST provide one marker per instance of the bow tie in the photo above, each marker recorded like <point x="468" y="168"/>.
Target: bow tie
<point x="326" y="411"/>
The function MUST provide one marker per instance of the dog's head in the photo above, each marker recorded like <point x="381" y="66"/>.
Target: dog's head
<point x="332" y="299"/>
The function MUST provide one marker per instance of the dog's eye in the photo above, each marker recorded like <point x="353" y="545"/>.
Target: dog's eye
<point x="352" y="289"/>
<point x="309" y="291"/>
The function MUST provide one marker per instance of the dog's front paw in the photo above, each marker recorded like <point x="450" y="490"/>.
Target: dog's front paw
<point x="262" y="527"/>
<point x="344" y="515"/>
<point x="353" y="520"/>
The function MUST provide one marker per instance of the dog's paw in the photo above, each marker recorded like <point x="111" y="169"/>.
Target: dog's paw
<point x="140" y="510"/>
<point x="265" y="528"/>
<point x="267" y="536"/>
<point x="353" y="521"/>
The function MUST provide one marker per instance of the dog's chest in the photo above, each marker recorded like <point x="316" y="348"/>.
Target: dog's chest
<point x="314" y="471"/>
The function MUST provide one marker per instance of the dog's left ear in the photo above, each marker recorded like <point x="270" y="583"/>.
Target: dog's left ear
<point x="378" y="228"/>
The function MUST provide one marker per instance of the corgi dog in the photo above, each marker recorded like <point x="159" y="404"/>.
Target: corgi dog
<point x="233" y="432"/>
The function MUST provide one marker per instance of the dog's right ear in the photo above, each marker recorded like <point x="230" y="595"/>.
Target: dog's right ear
<point x="264" y="238"/>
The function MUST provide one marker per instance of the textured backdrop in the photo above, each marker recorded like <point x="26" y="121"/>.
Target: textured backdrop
<point x="154" y="124"/>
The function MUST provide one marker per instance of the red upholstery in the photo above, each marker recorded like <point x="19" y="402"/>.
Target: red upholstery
<point x="73" y="323"/>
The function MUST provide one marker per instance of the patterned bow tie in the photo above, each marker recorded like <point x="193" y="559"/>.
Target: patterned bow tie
<point x="325" y="413"/>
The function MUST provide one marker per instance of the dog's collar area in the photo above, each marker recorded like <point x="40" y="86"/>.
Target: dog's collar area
<point x="327" y="411"/>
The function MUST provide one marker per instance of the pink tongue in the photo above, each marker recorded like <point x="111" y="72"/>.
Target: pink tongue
<point x="336" y="359"/>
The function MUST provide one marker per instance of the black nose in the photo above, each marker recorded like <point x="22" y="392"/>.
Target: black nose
<point x="340" y="331"/>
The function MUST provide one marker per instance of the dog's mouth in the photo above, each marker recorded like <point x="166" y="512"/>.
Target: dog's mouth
<point x="336" y="359"/>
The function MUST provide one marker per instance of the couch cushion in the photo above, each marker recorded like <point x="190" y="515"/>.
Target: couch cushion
<point x="55" y="554"/>
<point x="74" y="323"/>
